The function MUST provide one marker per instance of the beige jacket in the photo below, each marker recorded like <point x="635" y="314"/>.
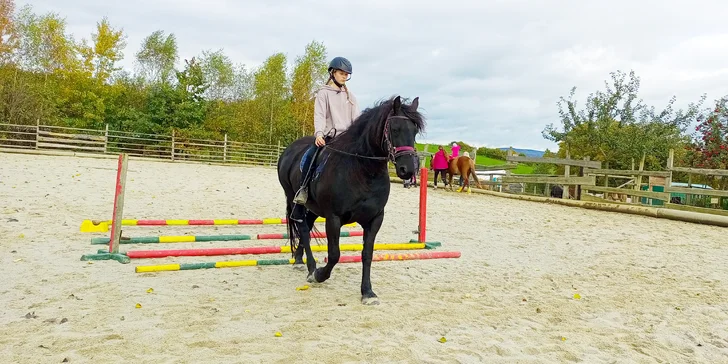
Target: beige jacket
<point x="332" y="111"/>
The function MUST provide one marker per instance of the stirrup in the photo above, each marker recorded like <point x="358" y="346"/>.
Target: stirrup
<point x="295" y="213"/>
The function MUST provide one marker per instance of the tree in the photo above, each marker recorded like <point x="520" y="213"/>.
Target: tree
<point x="709" y="147"/>
<point x="219" y="75"/>
<point x="8" y="33"/>
<point x="309" y="72"/>
<point x="271" y="92"/>
<point x="191" y="106"/>
<point x="100" y="59"/>
<point x="46" y="76"/>
<point x="157" y="56"/>
<point x="615" y="126"/>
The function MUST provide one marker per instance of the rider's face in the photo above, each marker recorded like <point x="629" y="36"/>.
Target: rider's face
<point x="340" y="76"/>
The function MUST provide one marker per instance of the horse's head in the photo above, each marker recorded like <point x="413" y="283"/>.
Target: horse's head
<point x="400" y="129"/>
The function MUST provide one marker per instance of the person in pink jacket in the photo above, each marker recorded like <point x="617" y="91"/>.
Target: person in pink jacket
<point x="455" y="151"/>
<point x="440" y="164"/>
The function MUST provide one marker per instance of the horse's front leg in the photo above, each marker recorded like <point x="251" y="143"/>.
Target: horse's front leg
<point x="333" y="231"/>
<point x="370" y="233"/>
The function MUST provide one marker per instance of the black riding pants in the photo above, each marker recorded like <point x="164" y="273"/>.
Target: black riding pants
<point x="438" y="172"/>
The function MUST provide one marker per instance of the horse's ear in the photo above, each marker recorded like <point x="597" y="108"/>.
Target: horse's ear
<point x="415" y="103"/>
<point x="397" y="104"/>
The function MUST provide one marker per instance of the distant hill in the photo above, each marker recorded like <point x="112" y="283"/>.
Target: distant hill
<point x="527" y="152"/>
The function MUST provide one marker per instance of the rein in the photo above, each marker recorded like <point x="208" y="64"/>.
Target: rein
<point x="392" y="151"/>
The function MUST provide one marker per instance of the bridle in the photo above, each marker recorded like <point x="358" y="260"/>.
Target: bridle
<point x="392" y="151"/>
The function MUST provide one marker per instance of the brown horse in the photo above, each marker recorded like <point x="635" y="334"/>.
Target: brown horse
<point x="464" y="167"/>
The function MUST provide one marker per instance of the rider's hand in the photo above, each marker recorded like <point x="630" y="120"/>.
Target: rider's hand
<point x="320" y="141"/>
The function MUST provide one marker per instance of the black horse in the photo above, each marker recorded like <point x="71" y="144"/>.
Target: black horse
<point x="351" y="182"/>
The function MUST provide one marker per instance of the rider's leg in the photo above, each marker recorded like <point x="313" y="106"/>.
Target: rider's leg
<point x="301" y="197"/>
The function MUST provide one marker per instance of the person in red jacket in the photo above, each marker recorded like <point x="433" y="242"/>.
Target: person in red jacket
<point x="440" y="162"/>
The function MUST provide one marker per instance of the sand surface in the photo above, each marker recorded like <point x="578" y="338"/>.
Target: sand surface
<point x="651" y="290"/>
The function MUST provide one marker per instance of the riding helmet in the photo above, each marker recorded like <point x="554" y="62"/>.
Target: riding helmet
<point x="340" y="63"/>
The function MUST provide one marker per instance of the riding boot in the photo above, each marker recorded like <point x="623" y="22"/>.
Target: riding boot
<point x="301" y="196"/>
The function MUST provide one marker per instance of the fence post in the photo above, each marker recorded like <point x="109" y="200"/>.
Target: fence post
<point x="581" y="174"/>
<point x="224" y="149"/>
<point x="37" y="132"/>
<point x="509" y="152"/>
<point x="638" y="182"/>
<point x="106" y="139"/>
<point x="172" y="144"/>
<point x="668" y="180"/>
<point x="567" y="172"/>
<point x="278" y="152"/>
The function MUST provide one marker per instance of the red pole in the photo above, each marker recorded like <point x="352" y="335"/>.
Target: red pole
<point x="423" y="206"/>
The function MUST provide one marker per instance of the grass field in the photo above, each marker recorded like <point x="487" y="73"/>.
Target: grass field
<point x="480" y="160"/>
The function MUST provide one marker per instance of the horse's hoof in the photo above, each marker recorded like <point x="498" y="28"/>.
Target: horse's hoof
<point x="370" y="301"/>
<point x="299" y="267"/>
<point x="312" y="277"/>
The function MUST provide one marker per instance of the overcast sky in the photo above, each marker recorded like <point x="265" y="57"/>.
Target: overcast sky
<point x="487" y="72"/>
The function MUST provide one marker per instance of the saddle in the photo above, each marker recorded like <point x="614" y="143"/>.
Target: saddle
<point x="310" y="162"/>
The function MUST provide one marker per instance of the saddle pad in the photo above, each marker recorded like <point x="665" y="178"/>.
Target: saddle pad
<point x="307" y="157"/>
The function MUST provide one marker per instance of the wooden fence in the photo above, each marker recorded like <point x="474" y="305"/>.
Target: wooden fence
<point x="512" y="180"/>
<point x="659" y="190"/>
<point x="174" y="147"/>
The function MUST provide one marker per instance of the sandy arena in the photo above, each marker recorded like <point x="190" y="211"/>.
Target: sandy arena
<point x="651" y="290"/>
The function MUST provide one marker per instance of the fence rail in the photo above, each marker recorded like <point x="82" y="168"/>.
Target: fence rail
<point x="658" y="191"/>
<point x="173" y="147"/>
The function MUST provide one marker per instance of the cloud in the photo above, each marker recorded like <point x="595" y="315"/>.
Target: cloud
<point x="487" y="72"/>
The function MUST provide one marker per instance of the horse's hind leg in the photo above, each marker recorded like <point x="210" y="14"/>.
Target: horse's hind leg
<point x="466" y="179"/>
<point x="298" y="257"/>
<point x="370" y="233"/>
<point x="304" y="244"/>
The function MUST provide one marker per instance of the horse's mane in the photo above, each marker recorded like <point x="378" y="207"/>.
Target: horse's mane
<point x="365" y="138"/>
<point x="365" y="135"/>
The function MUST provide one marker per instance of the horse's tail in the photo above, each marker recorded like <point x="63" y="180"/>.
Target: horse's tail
<point x="472" y="171"/>
<point x="294" y="236"/>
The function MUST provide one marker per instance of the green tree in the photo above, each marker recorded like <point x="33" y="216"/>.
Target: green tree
<point x="309" y="72"/>
<point x="219" y="75"/>
<point x="271" y="94"/>
<point x="157" y="57"/>
<point x="101" y="57"/>
<point x="615" y="126"/>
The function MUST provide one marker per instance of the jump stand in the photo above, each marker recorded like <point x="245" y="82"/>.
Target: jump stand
<point x="116" y="238"/>
<point x="113" y="253"/>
